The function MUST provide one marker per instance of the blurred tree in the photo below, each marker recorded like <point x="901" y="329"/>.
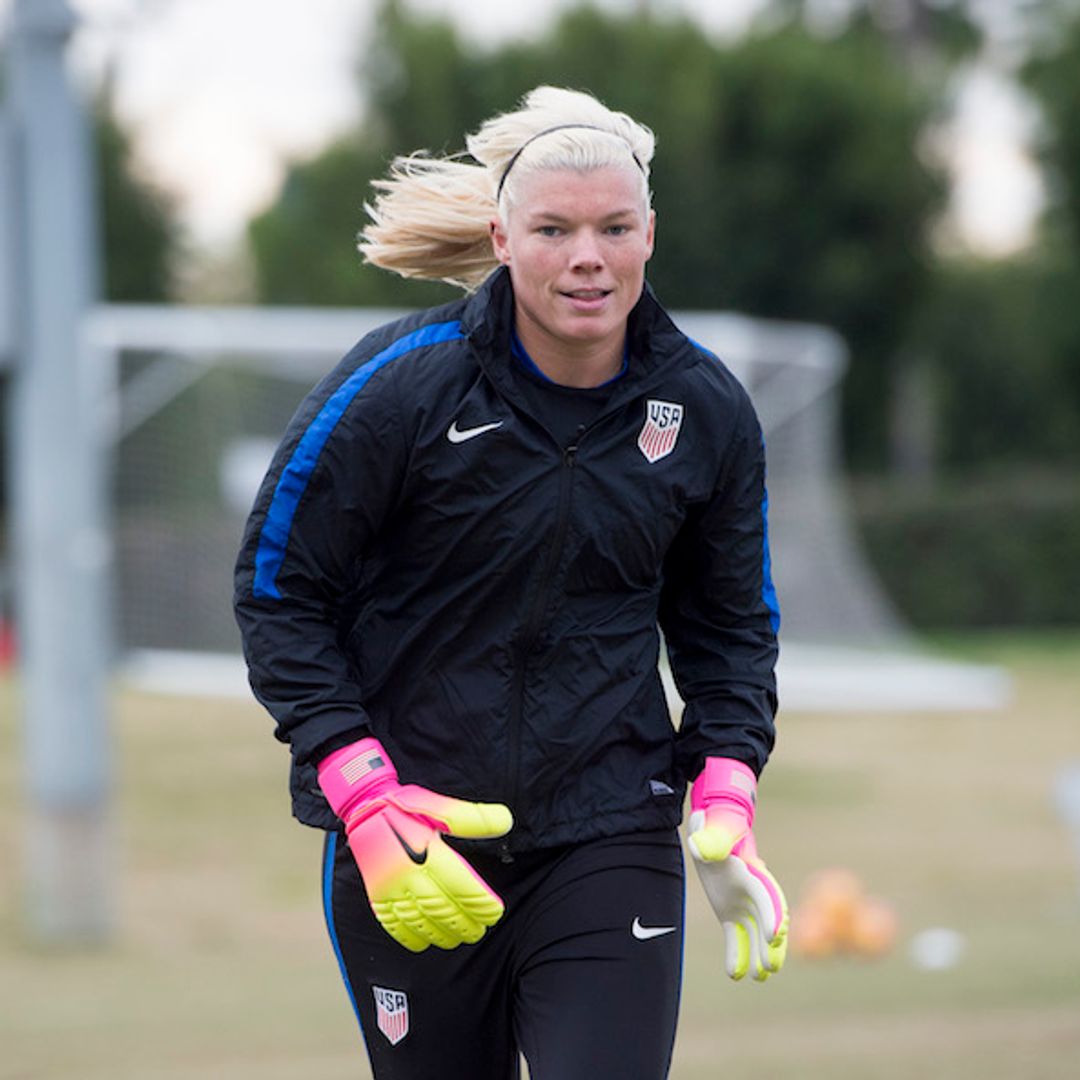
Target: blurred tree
<point x="304" y="246"/>
<point x="417" y="84"/>
<point x="1000" y="337"/>
<point x="789" y="180"/>
<point x="996" y="533"/>
<point x="1002" y="356"/>
<point x="930" y="41"/>
<point x="926" y="31"/>
<point x="420" y="82"/>
<point x="793" y="180"/>
<point x="139" y="230"/>
<point x="826" y="208"/>
<point x="1053" y="75"/>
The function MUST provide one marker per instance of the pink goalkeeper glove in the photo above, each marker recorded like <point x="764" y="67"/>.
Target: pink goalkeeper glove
<point x="747" y="899"/>
<point x="421" y="890"/>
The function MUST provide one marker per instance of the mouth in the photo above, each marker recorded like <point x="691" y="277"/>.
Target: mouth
<point x="586" y="299"/>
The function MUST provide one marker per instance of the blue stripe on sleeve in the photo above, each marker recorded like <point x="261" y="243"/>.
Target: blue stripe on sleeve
<point x="768" y="589"/>
<point x="291" y="485"/>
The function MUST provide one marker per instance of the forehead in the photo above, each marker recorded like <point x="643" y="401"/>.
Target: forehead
<point x="573" y="193"/>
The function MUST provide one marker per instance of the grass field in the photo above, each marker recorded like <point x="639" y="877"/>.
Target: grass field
<point x="221" y="967"/>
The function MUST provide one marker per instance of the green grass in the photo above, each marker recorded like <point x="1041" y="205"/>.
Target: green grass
<point x="221" y="968"/>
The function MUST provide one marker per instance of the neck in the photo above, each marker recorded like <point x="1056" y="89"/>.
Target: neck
<point x="580" y="364"/>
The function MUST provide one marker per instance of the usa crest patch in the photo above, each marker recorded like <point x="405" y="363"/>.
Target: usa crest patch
<point x="391" y="1013"/>
<point x="660" y="430"/>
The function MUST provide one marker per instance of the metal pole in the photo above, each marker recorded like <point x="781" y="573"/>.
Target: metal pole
<point x="59" y="491"/>
<point x="7" y="240"/>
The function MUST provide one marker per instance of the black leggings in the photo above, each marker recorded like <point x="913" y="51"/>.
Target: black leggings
<point x="581" y="975"/>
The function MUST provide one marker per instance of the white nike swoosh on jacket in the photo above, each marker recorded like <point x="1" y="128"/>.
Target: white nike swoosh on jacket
<point x="456" y="435"/>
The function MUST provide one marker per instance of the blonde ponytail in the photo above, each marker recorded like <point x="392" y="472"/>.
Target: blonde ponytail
<point x="432" y="216"/>
<point x="431" y="220"/>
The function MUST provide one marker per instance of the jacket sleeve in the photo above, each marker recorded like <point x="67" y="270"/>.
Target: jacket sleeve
<point x="719" y="613"/>
<point x="332" y="482"/>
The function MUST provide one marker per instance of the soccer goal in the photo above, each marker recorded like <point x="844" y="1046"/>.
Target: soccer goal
<point x="202" y="396"/>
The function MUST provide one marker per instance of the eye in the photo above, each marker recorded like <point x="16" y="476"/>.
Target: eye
<point x="549" y="230"/>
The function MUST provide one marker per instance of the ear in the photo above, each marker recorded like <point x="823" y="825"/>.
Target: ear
<point x="500" y="243"/>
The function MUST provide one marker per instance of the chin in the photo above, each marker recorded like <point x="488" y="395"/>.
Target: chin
<point x="590" y="332"/>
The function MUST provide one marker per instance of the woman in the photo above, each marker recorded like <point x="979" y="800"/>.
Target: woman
<point x="450" y="591"/>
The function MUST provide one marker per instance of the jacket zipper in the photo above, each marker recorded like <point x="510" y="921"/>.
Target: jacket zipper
<point x="532" y="628"/>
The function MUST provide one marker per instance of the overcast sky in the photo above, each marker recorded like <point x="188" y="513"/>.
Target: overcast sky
<point x="220" y="93"/>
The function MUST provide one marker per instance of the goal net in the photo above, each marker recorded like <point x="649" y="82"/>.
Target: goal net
<point x="204" y="394"/>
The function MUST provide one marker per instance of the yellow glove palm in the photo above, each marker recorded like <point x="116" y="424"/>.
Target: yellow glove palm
<point x="422" y="891"/>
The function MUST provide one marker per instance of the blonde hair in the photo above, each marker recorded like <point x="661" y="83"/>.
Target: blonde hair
<point x="431" y="217"/>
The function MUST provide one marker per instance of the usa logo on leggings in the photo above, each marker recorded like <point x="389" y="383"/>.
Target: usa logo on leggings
<point x="391" y="1013"/>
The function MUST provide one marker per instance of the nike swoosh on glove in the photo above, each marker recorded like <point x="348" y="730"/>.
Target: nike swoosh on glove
<point x="747" y="899"/>
<point x="421" y="890"/>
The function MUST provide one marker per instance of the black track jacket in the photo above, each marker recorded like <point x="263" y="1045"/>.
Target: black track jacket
<point x="425" y="564"/>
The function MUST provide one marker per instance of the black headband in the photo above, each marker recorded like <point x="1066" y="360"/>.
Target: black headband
<point x="547" y="131"/>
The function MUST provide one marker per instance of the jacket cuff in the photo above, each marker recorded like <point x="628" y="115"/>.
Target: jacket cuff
<point x="336" y="742"/>
<point x="320" y="735"/>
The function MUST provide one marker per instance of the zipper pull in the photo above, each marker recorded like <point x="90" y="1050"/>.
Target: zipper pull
<point x="572" y="449"/>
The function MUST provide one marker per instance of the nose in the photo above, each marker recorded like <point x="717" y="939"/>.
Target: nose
<point x="586" y="254"/>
